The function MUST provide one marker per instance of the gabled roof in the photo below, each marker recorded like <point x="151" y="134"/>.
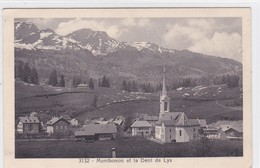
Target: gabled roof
<point x="195" y="122"/>
<point x="177" y="119"/>
<point x="172" y="115"/>
<point x="66" y="117"/>
<point x="169" y="122"/>
<point x="55" y="120"/>
<point x="29" y="120"/>
<point x="52" y="121"/>
<point x="232" y="130"/>
<point x="92" y="129"/>
<point x="139" y="123"/>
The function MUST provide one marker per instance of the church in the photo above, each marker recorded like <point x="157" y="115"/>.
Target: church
<point x="174" y="126"/>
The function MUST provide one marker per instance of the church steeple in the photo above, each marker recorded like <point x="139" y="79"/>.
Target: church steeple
<point x="164" y="90"/>
<point x="164" y="99"/>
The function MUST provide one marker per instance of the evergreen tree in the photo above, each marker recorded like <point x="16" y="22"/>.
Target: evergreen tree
<point x="19" y="70"/>
<point x="62" y="81"/>
<point x="129" y="86"/>
<point x="76" y="81"/>
<point x="91" y="84"/>
<point x="99" y="83"/>
<point x="124" y="87"/>
<point x="53" y="78"/>
<point x="27" y="73"/>
<point x="134" y="87"/>
<point x="34" y="76"/>
<point x="105" y="82"/>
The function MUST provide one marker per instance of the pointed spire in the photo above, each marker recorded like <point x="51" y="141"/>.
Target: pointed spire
<point x="164" y="90"/>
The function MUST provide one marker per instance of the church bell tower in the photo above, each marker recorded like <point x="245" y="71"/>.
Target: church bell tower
<point x="164" y="99"/>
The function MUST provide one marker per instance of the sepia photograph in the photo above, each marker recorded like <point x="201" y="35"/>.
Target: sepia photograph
<point x="129" y="86"/>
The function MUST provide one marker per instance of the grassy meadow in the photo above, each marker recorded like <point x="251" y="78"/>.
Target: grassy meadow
<point x="125" y="147"/>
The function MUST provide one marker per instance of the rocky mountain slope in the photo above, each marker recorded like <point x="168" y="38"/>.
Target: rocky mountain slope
<point x="89" y="53"/>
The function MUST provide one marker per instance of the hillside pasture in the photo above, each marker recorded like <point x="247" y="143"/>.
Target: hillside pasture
<point x="113" y="102"/>
<point x="208" y="110"/>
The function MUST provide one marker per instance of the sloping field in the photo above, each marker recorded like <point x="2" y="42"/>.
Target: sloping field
<point x="195" y="102"/>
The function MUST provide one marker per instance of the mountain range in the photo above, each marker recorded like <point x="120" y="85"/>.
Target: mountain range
<point x="89" y="53"/>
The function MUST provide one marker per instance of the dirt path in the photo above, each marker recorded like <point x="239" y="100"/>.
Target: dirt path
<point x="229" y="108"/>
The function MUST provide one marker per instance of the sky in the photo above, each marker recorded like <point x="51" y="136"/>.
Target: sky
<point x="212" y="36"/>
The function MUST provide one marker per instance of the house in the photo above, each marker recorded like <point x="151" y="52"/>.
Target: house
<point x="233" y="134"/>
<point x="83" y="85"/>
<point x="212" y="132"/>
<point x="141" y="127"/>
<point x="29" y="125"/>
<point x="96" y="132"/>
<point x="174" y="126"/>
<point x="74" y="122"/>
<point x="58" y="125"/>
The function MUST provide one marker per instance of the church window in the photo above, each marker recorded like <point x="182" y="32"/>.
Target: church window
<point x="180" y="132"/>
<point x="165" y="106"/>
<point x="170" y="130"/>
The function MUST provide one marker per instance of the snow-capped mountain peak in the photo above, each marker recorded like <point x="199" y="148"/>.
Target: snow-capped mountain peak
<point x="28" y="36"/>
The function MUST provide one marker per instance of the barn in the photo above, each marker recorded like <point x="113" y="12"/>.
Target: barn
<point x="96" y="132"/>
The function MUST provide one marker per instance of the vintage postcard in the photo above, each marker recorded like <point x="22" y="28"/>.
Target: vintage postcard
<point x="159" y="87"/>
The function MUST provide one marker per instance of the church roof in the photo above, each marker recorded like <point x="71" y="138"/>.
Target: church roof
<point x="194" y="121"/>
<point x="177" y="119"/>
<point x="172" y="115"/>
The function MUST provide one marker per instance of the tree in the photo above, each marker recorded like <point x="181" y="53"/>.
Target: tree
<point x="76" y="81"/>
<point x="19" y="70"/>
<point x="134" y="87"/>
<point x="128" y="122"/>
<point x="99" y="83"/>
<point x="95" y="101"/>
<point x="233" y="81"/>
<point x="91" y="84"/>
<point x="27" y="73"/>
<point x="105" y="82"/>
<point x="129" y="86"/>
<point x="53" y="78"/>
<point x="124" y="87"/>
<point x="34" y="76"/>
<point x="62" y="81"/>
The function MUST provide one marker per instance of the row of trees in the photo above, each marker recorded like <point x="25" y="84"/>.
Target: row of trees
<point x="103" y="82"/>
<point x="30" y="75"/>
<point x="26" y="73"/>
<point x="53" y="79"/>
<point x="129" y="86"/>
<point x="230" y="80"/>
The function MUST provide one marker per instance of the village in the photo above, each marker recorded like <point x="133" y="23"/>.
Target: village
<point x="166" y="127"/>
